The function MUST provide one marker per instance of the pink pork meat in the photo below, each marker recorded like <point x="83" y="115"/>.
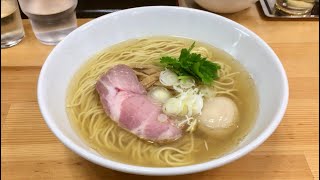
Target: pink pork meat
<point x="124" y="99"/>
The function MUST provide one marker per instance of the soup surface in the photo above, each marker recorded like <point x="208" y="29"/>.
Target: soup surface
<point x="90" y="121"/>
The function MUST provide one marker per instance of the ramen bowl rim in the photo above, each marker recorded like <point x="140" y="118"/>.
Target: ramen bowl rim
<point x="164" y="171"/>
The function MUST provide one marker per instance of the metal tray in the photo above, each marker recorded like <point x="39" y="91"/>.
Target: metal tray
<point x="268" y="7"/>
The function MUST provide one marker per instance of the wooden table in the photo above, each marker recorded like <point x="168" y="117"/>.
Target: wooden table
<point x="31" y="151"/>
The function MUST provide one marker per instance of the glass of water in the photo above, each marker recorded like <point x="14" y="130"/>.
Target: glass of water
<point x="51" y="20"/>
<point x="11" y="25"/>
<point x="295" y="7"/>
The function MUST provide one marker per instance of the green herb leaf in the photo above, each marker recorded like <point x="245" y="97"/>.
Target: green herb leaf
<point x="192" y="64"/>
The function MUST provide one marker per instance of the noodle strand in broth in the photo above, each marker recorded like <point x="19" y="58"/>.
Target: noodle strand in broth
<point x="103" y="135"/>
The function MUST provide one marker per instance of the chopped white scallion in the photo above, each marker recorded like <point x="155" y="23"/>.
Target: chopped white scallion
<point x="188" y="103"/>
<point x="159" y="94"/>
<point x="172" y="107"/>
<point x="187" y="83"/>
<point x="192" y="100"/>
<point x="168" y="78"/>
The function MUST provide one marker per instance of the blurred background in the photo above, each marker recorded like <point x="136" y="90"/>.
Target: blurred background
<point x="96" y="8"/>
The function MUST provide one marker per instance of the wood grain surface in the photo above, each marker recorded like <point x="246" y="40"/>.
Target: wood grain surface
<point x="30" y="151"/>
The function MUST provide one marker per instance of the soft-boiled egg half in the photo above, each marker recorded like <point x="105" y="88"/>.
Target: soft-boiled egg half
<point x="219" y="117"/>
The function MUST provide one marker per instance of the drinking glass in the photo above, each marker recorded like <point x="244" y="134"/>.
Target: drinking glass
<point x="11" y="24"/>
<point x="295" y="7"/>
<point x="51" y="20"/>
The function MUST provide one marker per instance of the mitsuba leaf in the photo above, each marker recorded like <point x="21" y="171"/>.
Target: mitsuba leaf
<point x="192" y="64"/>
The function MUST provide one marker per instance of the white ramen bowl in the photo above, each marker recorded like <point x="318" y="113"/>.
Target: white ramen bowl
<point x="250" y="50"/>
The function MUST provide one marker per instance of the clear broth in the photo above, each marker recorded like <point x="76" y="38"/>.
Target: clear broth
<point x="248" y="110"/>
